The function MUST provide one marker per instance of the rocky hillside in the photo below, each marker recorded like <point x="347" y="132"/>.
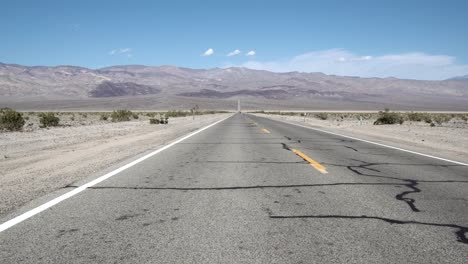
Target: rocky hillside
<point x="70" y="82"/>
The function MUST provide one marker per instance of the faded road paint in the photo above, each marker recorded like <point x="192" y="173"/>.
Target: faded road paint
<point x="312" y="162"/>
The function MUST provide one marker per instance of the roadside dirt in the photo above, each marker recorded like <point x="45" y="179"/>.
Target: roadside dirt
<point x="39" y="161"/>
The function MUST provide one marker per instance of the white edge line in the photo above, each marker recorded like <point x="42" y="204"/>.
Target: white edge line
<point x="83" y="187"/>
<point x="375" y="143"/>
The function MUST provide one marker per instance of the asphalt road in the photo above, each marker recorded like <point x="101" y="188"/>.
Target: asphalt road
<point x="254" y="190"/>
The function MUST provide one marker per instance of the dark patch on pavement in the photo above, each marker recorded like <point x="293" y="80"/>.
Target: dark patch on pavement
<point x="184" y="189"/>
<point x="286" y="147"/>
<point x="126" y="216"/>
<point x="401" y="196"/>
<point x="259" y="162"/>
<point x="351" y="148"/>
<point x="64" y="231"/>
<point x="412" y="185"/>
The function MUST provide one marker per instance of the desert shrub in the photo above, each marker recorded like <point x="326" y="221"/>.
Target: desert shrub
<point x="415" y="116"/>
<point x="388" y="118"/>
<point x="84" y="115"/>
<point x="48" y="119"/>
<point x="103" y="117"/>
<point x="135" y="116"/>
<point x="322" y="116"/>
<point x="179" y="113"/>
<point x="442" y="118"/>
<point x="418" y="117"/>
<point x="154" y="121"/>
<point x="121" y="115"/>
<point x="427" y="118"/>
<point x="11" y="120"/>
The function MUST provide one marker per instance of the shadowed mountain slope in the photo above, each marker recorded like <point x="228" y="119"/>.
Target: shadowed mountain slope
<point x="78" y="83"/>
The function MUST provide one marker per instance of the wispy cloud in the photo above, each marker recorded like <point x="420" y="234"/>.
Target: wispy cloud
<point x="126" y="51"/>
<point x="234" y="53"/>
<point x="251" y="53"/>
<point x="415" y="65"/>
<point x="208" y="52"/>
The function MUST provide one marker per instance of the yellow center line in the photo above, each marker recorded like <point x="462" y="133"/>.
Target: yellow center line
<point x="265" y="131"/>
<point x="312" y="162"/>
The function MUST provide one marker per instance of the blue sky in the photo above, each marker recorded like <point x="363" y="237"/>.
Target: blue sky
<point x="408" y="39"/>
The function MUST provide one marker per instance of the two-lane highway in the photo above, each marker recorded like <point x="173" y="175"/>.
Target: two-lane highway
<point x="254" y="190"/>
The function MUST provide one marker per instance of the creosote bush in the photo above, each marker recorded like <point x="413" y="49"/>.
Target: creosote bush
<point x="179" y="113"/>
<point x="322" y="116"/>
<point x="154" y="121"/>
<point x="121" y="115"/>
<point x="441" y="118"/>
<point x="48" y="119"/>
<point x="11" y="120"/>
<point x="103" y="117"/>
<point x="418" y="117"/>
<point x="160" y="120"/>
<point x="388" y="118"/>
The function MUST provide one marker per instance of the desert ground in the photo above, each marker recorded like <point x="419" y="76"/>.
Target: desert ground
<point x="37" y="161"/>
<point x="447" y="140"/>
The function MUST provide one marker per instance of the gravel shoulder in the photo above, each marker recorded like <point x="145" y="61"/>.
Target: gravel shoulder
<point x="447" y="141"/>
<point x="39" y="161"/>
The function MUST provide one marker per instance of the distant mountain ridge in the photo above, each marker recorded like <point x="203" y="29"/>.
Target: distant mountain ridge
<point x="459" y="78"/>
<point x="71" y="82"/>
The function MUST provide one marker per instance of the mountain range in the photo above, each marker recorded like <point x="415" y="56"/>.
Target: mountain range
<point x="22" y="84"/>
<point x="459" y="78"/>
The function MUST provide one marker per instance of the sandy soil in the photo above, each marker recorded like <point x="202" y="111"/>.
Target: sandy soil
<point x="38" y="161"/>
<point x="449" y="140"/>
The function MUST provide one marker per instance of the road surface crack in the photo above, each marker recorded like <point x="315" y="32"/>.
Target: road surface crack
<point x="461" y="231"/>
<point x="410" y="183"/>
<point x="241" y="187"/>
<point x="351" y="148"/>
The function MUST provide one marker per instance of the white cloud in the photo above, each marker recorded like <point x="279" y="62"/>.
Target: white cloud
<point x="208" y="52"/>
<point x="414" y="65"/>
<point x="121" y="51"/>
<point x="234" y="53"/>
<point x="250" y="53"/>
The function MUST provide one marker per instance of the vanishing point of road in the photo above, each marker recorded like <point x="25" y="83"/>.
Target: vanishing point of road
<point x="253" y="190"/>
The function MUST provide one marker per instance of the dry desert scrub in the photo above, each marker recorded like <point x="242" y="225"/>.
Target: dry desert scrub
<point x="11" y="120"/>
<point x="385" y="117"/>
